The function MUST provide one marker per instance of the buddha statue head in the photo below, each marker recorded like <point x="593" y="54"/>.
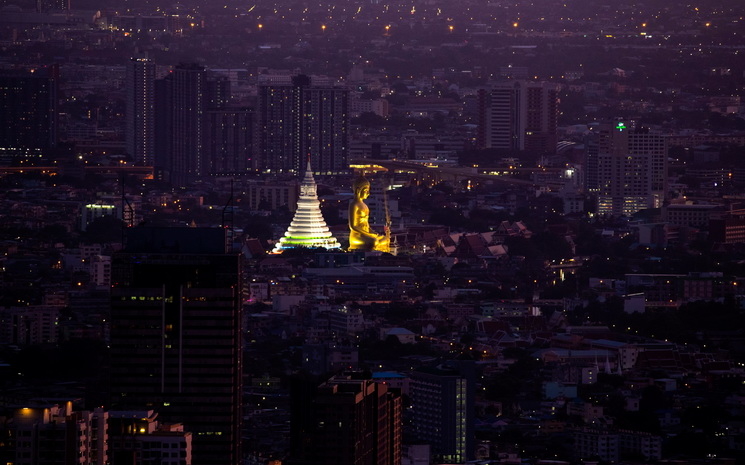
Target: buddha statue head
<point x="361" y="188"/>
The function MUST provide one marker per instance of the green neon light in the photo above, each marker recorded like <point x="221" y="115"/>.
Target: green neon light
<point x="302" y="239"/>
<point x="620" y="126"/>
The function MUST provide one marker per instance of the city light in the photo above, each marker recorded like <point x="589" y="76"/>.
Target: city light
<point x="226" y="238"/>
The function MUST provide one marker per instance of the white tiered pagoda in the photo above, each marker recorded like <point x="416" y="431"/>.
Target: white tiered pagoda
<point x="308" y="228"/>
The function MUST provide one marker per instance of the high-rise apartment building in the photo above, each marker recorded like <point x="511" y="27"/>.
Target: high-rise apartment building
<point x="28" y="113"/>
<point x="631" y="169"/>
<point x="197" y="133"/>
<point x="519" y="116"/>
<point x="217" y="96"/>
<point x="228" y="141"/>
<point x="163" y="109"/>
<point x="188" y="104"/>
<point x="297" y="116"/>
<point x="590" y="169"/>
<point x="175" y="335"/>
<point x="442" y="403"/>
<point x="347" y="421"/>
<point x="140" y="126"/>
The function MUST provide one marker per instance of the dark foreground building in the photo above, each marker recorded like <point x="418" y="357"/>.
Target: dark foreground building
<point x="175" y="335"/>
<point x="346" y="421"/>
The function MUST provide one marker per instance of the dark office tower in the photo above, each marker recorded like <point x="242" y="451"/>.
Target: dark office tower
<point x="297" y="116"/>
<point x="140" y="129"/>
<point x="228" y="141"/>
<point x="347" y="422"/>
<point x="188" y="104"/>
<point x="175" y="335"/>
<point x="28" y="113"/>
<point x="519" y="116"/>
<point x="442" y="400"/>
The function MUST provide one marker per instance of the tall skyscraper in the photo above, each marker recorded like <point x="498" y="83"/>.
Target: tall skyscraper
<point x="140" y="129"/>
<point x="442" y="400"/>
<point x="519" y="116"/>
<point x="28" y="113"/>
<point x="631" y="169"/>
<point x="347" y="421"/>
<point x="297" y="116"/>
<point x="175" y="335"/>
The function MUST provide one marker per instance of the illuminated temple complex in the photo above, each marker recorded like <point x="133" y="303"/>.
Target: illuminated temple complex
<point x="308" y="228"/>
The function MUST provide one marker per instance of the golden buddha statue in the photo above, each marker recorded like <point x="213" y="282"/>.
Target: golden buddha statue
<point x="361" y="237"/>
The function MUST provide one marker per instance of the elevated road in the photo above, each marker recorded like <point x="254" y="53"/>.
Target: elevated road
<point x="435" y="174"/>
<point x="144" y="171"/>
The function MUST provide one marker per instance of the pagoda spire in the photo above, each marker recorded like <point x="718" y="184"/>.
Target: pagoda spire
<point x="308" y="228"/>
